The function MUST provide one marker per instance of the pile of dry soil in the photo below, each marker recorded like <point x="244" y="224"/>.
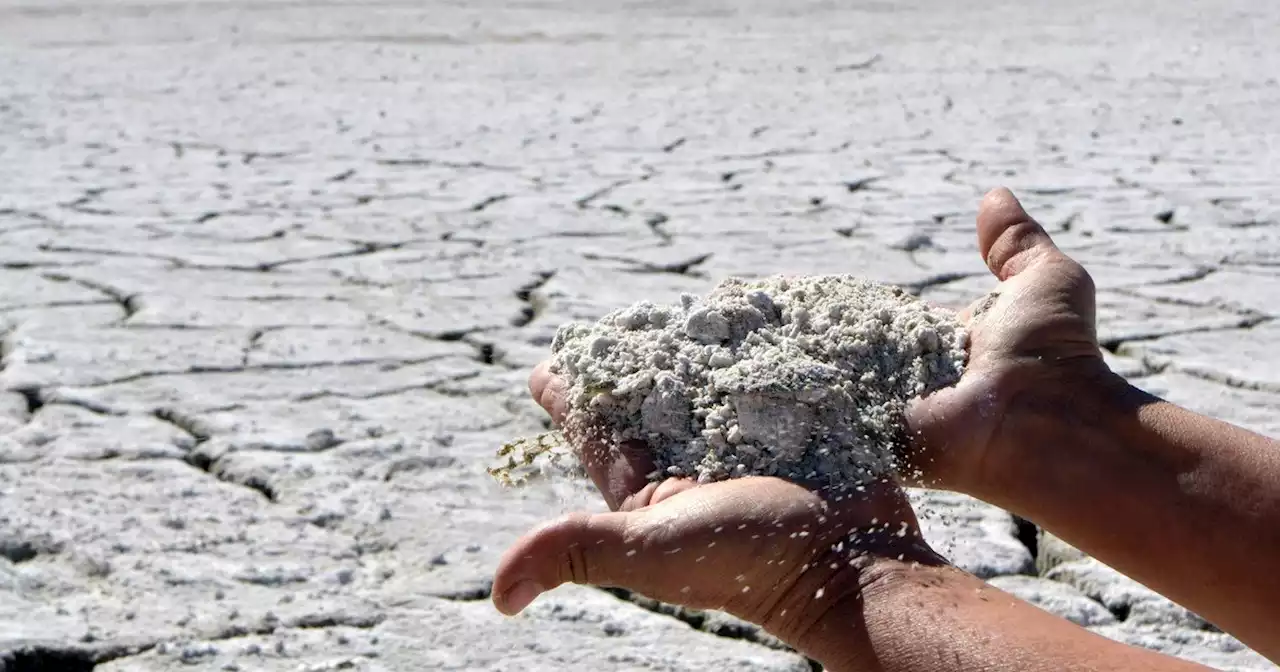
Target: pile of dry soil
<point x="800" y="377"/>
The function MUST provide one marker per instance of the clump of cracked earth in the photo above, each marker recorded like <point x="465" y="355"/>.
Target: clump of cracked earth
<point x="801" y="377"/>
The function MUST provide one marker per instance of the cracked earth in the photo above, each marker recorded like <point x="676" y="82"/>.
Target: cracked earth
<point x="272" y="276"/>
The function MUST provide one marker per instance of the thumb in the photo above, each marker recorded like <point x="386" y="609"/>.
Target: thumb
<point x="1009" y="239"/>
<point x="593" y="549"/>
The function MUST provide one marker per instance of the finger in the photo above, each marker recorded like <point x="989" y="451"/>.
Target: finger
<point x="640" y="499"/>
<point x="618" y="471"/>
<point x="539" y="378"/>
<point x="579" y="548"/>
<point x="656" y="492"/>
<point x="937" y="456"/>
<point x="1008" y="238"/>
<point x="670" y="488"/>
<point x="550" y="391"/>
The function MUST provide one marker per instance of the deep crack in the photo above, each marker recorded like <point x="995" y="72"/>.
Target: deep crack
<point x="34" y="399"/>
<point x="533" y="302"/>
<point x="1114" y="345"/>
<point x="1029" y="535"/>
<point x="475" y="593"/>
<point x="191" y="425"/>
<point x="47" y="659"/>
<point x="53" y="658"/>
<point x="682" y="267"/>
<point x="201" y="433"/>
<point x="127" y="301"/>
<point x="253" y="482"/>
<point x="433" y="386"/>
<point x="389" y="363"/>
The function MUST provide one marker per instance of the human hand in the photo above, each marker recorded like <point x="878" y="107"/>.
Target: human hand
<point x="767" y="550"/>
<point x="1032" y="342"/>
<point x="1032" y="345"/>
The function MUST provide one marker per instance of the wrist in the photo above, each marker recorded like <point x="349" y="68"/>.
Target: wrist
<point x="842" y="634"/>
<point x="1044" y="416"/>
<point x="825" y="618"/>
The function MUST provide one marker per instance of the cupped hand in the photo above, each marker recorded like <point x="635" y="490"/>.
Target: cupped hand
<point x="1032" y="340"/>
<point x="764" y="549"/>
<point x="1032" y="343"/>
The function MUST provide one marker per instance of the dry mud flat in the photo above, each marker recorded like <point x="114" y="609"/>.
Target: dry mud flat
<point x="272" y="276"/>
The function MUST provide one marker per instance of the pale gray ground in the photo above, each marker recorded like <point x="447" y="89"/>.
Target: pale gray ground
<point x="274" y="274"/>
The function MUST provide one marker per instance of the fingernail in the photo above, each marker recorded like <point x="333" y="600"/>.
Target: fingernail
<point x="520" y="595"/>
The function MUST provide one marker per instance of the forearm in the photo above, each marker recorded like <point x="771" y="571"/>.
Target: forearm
<point x="1187" y="505"/>
<point x="918" y="618"/>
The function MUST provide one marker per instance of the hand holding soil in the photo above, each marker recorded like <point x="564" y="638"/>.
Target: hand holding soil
<point x="831" y="560"/>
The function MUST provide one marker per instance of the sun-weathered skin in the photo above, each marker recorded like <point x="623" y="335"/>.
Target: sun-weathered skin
<point x="273" y="274"/>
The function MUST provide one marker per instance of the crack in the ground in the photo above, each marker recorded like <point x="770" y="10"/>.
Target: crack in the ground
<point x="127" y="301"/>
<point x="487" y="353"/>
<point x="446" y="336"/>
<point x="1188" y="303"/>
<point x="188" y="424"/>
<point x="1198" y="273"/>
<point x="918" y="287"/>
<point x="440" y="163"/>
<point x="44" y="220"/>
<point x="564" y="234"/>
<point x="1114" y="345"/>
<point x="433" y="386"/>
<point x="247" y="156"/>
<point x="56" y="398"/>
<point x="33" y="398"/>
<point x="476" y="593"/>
<point x="767" y="154"/>
<point x="588" y="201"/>
<point x="365" y="199"/>
<point x="533" y="302"/>
<point x="390" y="363"/>
<point x="362" y="249"/>
<point x="255" y="482"/>
<point x="255" y="337"/>
<point x="654" y="221"/>
<point x="683" y="267"/>
<point x="19" y="551"/>
<point x="860" y="65"/>
<point x="53" y="658"/>
<point x="1028" y="534"/>
<point x="860" y="184"/>
<point x="484" y="204"/>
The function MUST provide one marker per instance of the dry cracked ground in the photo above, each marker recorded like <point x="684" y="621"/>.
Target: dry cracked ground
<point x="272" y="275"/>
